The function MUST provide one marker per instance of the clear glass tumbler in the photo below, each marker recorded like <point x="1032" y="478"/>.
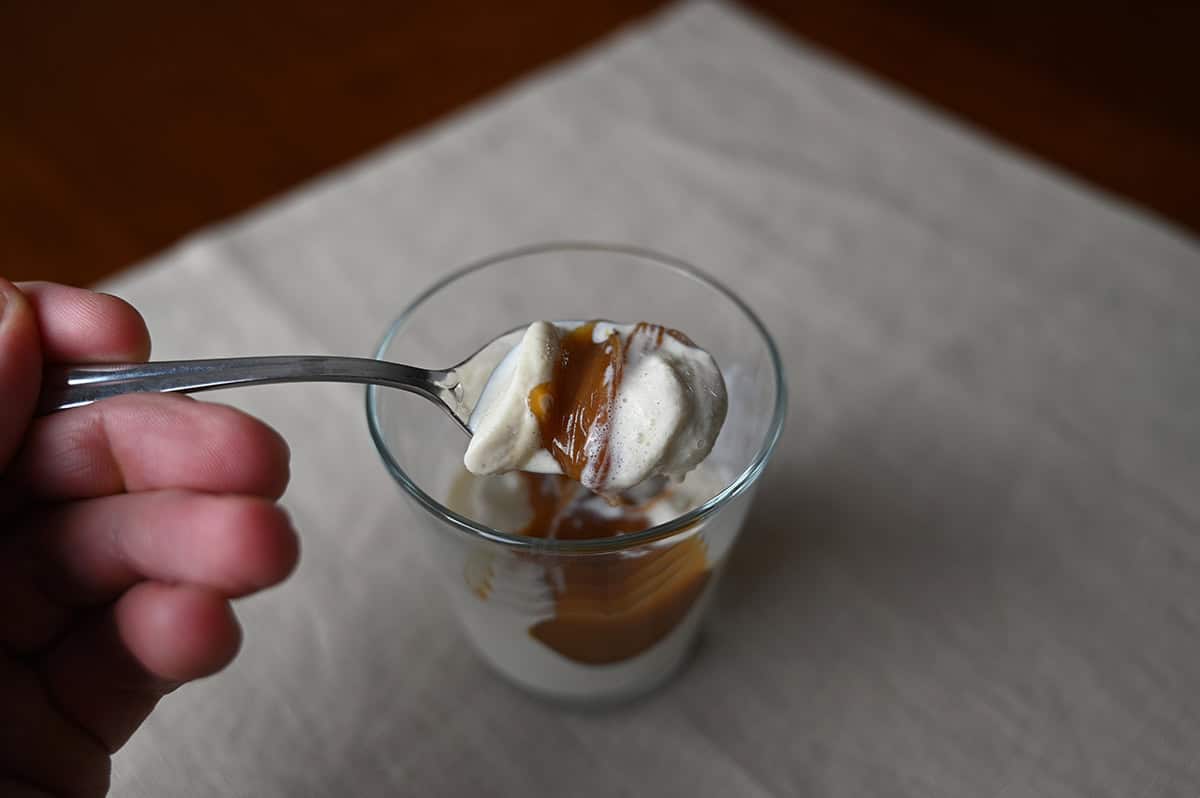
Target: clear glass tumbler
<point x="584" y="621"/>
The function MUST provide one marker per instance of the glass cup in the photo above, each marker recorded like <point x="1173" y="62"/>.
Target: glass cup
<point x="583" y="621"/>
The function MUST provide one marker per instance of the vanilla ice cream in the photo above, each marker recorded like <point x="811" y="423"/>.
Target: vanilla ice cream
<point x="587" y="627"/>
<point x="610" y="405"/>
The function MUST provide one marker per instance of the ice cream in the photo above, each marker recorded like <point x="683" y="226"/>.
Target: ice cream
<point x="588" y="626"/>
<point x="608" y="405"/>
<point x="571" y="436"/>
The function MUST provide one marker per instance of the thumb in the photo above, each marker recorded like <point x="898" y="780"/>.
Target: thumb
<point x="20" y="368"/>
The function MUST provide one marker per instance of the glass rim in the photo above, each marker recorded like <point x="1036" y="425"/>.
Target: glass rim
<point x="461" y="523"/>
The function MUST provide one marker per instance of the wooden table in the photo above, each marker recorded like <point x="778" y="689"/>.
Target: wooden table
<point x="126" y="124"/>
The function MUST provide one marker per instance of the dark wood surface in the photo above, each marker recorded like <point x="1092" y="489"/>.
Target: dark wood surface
<point x="128" y="123"/>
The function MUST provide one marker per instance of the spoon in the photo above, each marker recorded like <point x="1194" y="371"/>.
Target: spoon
<point x="456" y="389"/>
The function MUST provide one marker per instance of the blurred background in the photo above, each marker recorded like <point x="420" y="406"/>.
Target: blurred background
<point x="126" y="124"/>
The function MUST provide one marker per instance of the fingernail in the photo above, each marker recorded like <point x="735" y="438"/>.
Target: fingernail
<point x="10" y="300"/>
<point x="5" y="287"/>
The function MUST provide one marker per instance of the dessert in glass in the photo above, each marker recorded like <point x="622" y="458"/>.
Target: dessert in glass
<point x="580" y="564"/>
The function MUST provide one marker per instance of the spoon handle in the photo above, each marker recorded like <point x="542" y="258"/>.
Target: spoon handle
<point x="71" y="386"/>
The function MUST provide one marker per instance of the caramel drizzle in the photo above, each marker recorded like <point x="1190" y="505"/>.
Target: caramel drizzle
<point x="613" y="606"/>
<point x="565" y="510"/>
<point x="577" y="403"/>
<point x="574" y="409"/>
<point x="608" y="607"/>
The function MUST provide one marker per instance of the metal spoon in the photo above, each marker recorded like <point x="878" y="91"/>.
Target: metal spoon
<point x="456" y="389"/>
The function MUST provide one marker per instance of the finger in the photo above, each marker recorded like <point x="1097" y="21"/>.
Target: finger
<point x="110" y="672"/>
<point x="146" y="442"/>
<point x="41" y="747"/>
<point x="20" y="367"/>
<point x="92" y="551"/>
<point x="82" y="326"/>
<point x="30" y="617"/>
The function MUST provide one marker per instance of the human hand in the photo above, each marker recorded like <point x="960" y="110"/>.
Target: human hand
<point x="126" y="527"/>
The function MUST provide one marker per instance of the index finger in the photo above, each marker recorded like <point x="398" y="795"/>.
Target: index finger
<point x="82" y="326"/>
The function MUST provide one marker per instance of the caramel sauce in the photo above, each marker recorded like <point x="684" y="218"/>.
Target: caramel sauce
<point x="612" y="606"/>
<point x="576" y="404"/>
<point x="575" y="408"/>
<point x="608" y="607"/>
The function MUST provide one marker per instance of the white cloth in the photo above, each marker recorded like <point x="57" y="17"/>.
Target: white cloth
<point x="973" y="568"/>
